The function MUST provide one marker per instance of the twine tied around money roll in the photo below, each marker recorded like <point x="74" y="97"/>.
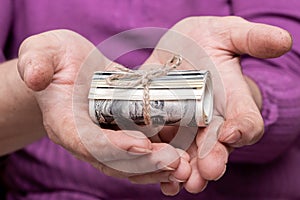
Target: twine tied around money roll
<point x="144" y="78"/>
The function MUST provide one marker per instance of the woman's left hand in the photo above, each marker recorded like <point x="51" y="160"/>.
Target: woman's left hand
<point x="237" y="119"/>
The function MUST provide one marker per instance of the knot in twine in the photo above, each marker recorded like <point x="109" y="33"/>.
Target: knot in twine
<point x="144" y="78"/>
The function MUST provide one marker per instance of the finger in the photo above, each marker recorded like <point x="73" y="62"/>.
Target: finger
<point x="106" y="169"/>
<point x="183" y="154"/>
<point x="150" y="178"/>
<point x="244" y="124"/>
<point x="196" y="183"/>
<point x="174" y="172"/>
<point x="162" y="158"/>
<point x="132" y="141"/>
<point x="40" y="56"/>
<point x="208" y="137"/>
<point x="170" y="189"/>
<point x="245" y="129"/>
<point x="101" y="144"/>
<point x="183" y="171"/>
<point x="36" y="70"/>
<point x="173" y="184"/>
<point x="213" y="166"/>
<point x="258" y="40"/>
<point x="110" y="142"/>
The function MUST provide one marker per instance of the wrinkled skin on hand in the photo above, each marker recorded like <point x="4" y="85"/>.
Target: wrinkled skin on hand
<point x="49" y="64"/>
<point x="237" y="120"/>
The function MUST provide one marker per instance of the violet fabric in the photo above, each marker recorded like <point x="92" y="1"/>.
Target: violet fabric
<point x="267" y="170"/>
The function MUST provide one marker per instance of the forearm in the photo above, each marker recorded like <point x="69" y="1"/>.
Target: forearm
<point x="20" y="116"/>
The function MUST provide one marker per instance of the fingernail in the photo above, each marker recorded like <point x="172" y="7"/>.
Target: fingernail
<point x="174" y="179"/>
<point x="221" y="174"/>
<point x="164" y="167"/>
<point x="140" y="150"/>
<point x="233" y="138"/>
<point x="204" y="186"/>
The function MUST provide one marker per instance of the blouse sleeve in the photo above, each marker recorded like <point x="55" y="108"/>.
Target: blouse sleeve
<point x="278" y="80"/>
<point x="5" y="25"/>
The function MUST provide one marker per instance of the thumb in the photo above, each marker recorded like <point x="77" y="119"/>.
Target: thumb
<point x="36" y="70"/>
<point x="258" y="40"/>
<point x="41" y="55"/>
<point x="37" y="60"/>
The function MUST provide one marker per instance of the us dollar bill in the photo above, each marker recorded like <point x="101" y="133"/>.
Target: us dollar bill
<point x="182" y="98"/>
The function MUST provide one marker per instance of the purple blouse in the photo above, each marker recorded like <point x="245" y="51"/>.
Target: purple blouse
<point x="266" y="170"/>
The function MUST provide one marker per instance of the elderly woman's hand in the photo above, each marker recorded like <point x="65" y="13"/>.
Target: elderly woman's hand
<point x="237" y="120"/>
<point x="58" y="66"/>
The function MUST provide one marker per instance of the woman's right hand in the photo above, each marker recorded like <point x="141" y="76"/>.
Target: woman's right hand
<point x="57" y="66"/>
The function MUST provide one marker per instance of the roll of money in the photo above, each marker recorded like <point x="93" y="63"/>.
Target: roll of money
<point x="181" y="98"/>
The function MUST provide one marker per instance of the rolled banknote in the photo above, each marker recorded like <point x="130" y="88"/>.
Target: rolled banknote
<point x="181" y="98"/>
